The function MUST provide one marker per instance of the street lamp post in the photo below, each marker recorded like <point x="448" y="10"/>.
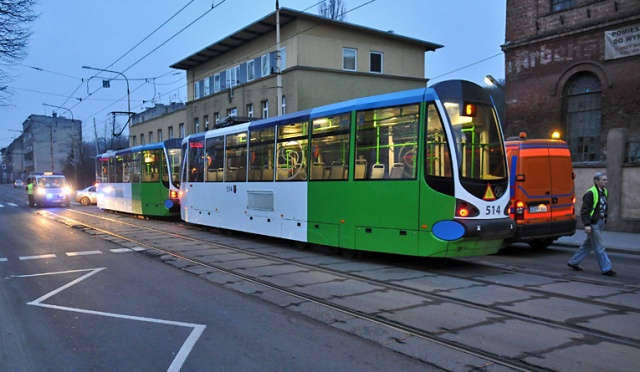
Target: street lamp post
<point x="60" y="107"/>
<point x="76" y="155"/>
<point x="490" y="80"/>
<point x="128" y="92"/>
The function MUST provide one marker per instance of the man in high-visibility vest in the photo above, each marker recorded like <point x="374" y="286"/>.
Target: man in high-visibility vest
<point x="594" y="216"/>
<point x="29" y="188"/>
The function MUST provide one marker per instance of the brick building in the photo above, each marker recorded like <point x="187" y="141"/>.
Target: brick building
<point x="573" y="66"/>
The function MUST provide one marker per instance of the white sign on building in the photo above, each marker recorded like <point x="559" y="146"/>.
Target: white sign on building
<point x="623" y="42"/>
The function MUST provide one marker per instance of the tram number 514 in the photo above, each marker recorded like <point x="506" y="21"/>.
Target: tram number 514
<point x="492" y="209"/>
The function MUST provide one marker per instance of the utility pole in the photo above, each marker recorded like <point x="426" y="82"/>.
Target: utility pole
<point x="278" y="61"/>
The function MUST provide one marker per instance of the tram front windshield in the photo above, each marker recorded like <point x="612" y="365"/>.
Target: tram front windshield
<point x="479" y="149"/>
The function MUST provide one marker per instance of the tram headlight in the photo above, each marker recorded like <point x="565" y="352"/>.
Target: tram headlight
<point x="466" y="209"/>
<point x="173" y="194"/>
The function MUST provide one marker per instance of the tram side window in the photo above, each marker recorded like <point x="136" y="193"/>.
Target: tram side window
<point x="135" y="167"/>
<point x="183" y="162"/>
<point x="102" y="172"/>
<point x="150" y="165"/>
<point x="261" y="148"/>
<point x="293" y="144"/>
<point x="111" y="178"/>
<point x="236" y="155"/>
<point x="215" y="159"/>
<point x="437" y="162"/>
<point x="330" y="147"/>
<point x="196" y="160"/>
<point x="387" y="143"/>
<point x="127" y="160"/>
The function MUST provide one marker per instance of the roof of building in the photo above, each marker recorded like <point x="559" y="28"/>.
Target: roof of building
<point x="268" y="24"/>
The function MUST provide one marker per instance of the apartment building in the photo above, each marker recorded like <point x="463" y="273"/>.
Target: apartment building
<point x="318" y="60"/>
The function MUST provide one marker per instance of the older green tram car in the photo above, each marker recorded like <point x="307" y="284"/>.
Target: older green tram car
<point x="420" y="172"/>
<point x="141" y="180"/>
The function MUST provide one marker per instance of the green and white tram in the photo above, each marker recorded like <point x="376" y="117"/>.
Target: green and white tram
<point x="420" y="172"/>
<point x="141" y="180"/>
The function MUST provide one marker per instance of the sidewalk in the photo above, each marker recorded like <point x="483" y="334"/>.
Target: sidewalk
<point x="613" y="240"/>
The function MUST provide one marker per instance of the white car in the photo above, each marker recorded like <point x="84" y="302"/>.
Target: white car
<point x="87" y="196"/>
<point x="18" y="183"/>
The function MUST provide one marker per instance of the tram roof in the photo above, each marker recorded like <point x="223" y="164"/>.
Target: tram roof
<point x="372" y="102"/>
<point x="285" y="119"/>
<point x="170" y="143"/>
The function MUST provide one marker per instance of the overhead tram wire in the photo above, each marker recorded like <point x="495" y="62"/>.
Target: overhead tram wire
<point x="467" y="66"/>
<point x="145" y="56"/>
<point x="129" y="51"/>
<point x="213" y="6"/>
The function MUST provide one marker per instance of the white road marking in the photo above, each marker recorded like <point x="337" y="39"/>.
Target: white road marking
<point x="50" y="255"/>
<point x="83" y="253"/>
<point x="3" y="259"/>
<point x="138" y="249"/>
<point x="121" y="250"/>
<point x="180" y="357"/>
<point x="13" y="205"/>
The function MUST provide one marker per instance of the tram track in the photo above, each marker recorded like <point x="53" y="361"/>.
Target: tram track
<point x="129" y="227"/>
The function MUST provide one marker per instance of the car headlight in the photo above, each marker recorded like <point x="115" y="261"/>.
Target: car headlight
<point x="67" y="190"/>
<point x="41" y="191"/>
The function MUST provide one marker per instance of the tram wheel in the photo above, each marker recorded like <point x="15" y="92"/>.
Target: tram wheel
<point x="300" y="245"/>
<point x="349" y="253"/>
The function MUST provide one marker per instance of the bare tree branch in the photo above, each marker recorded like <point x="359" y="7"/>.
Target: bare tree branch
<point x="15" y="17"/>
<point x="333" y="9"/>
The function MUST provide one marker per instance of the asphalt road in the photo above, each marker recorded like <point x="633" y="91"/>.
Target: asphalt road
<point x="70" y="301"/>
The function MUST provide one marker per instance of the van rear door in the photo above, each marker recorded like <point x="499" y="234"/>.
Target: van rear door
<point x="562" y="184"/>
<point x="536" y="189"/>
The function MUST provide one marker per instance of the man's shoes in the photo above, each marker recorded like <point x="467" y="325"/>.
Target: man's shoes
<point x="576" y="267"/>
<point x="609" y="273"/>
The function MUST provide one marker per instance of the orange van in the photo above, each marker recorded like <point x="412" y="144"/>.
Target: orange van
<point x="542" y="190"/>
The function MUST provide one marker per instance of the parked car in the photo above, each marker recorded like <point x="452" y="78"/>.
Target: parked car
<point x="87" y="196"/>
<point x="18" y="183"/>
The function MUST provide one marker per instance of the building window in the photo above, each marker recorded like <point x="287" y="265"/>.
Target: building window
<point x="375" y="62"/>
<point x="232" y="111"/>
<point x="265" y="62"/>
<point x="170" y="132"/>
<point x="558" y="5"/>
<point x="216" y="83"/>
<point x="251" y="70"/>
<point x="283" y="59"/>
<point x="160" y="135"/>
<point x="206" y="87"/>
<point x="349" y="59"/>
<point x="151" y="137"/>
<point x="134" y="143"/>
<point x="196" y="125"/>
<point x="584" y="115"/>
<point x="250" y="110"/>
<point x="181" y="130"/>
<point x="265" y="109"/>
<point x="205" y="119"/>
<point x="142" y="139"/>
<point x="284" y="105"/>
<point x="216" y="117"/>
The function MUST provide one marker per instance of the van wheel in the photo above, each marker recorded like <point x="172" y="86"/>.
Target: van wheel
<point x="541" y="243"/>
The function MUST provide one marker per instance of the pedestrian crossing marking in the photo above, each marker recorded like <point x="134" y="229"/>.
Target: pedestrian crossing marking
<point x="84" y="253"/>
<point x="50" y="255"/>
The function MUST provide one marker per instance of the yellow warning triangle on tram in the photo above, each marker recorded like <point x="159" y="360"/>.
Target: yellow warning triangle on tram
<point x="488" y="194"/>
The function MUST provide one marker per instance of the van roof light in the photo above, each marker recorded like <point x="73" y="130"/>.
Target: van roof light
<point x="523" y="135"/>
